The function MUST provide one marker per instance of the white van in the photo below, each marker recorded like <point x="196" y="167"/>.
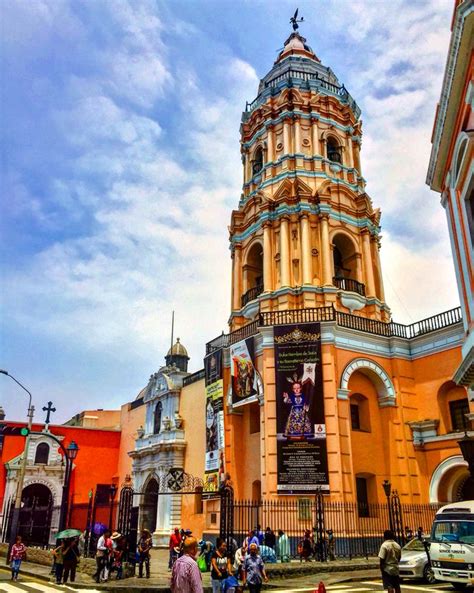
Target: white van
<point x="452" y="544"/>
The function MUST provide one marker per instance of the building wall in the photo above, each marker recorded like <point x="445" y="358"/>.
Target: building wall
<point x="96" y="462"/>
<point x="108" y="419"/>
<point x="132" y="417"/>
<point x="192" y="406"/>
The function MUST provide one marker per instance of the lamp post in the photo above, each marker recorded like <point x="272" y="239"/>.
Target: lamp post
<point x="387" y="488"/>
<point x="70" y="454"/>
<point x="112" y="493"/>
<point x="21" y="477"/>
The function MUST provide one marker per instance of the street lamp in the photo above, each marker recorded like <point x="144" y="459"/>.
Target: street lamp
<point x="21" y="477"/>
<point x="69" y="455"/>
<point x="387" y="488"/>
<point x="466" y="444"/>
<point x="112" y="493"/>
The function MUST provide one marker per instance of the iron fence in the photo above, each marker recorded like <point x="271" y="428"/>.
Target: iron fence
<point x="356" y="529"/>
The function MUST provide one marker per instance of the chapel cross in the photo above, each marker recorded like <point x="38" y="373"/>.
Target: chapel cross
<point x="48" y="411"/>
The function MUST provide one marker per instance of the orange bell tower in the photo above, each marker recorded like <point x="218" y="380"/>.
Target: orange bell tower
<point x="305" y="234"/>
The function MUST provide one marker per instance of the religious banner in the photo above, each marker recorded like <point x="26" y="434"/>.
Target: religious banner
<point x="301" y="428"/>
<point x="244" y="375"/>
<point x="214" y="461"/>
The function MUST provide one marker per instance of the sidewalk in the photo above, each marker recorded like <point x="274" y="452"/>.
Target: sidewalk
<point x="292" y="573"/>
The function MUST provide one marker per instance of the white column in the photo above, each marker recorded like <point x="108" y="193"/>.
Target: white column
<point x="379" y="268"/>
<point x="237" y="276"/>
<point x="284" y="252"/>
<point x="314" y="137"/>
<point x="286" y="137"/>
<point x="368" y="263"/>
<point x="326" y="250"/>
<point x="270" y="145"/>
<point x="297" y="133"/>
<point x="306" y="257"/>
<point x="267" y="256"/>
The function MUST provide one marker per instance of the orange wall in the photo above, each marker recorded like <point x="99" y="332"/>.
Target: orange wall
<point x="130" y="421"/>
<point x="96" y="462"/>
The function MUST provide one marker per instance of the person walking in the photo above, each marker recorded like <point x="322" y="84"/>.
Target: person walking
<point x="220" y="566"/>
<point x="269" y="539"/>
<point x="254" y="570"/>
<point x="144" y="547"/>
<point x="17" y="555"/>
<point x="58" y="554"/>
<point x="102" y="558"/>
<point x="389" y="555"/>
<point x="331" y="545"/>
<point x="186" y="576"/>
<point x="70" y="560"/>
<point x="174" y="545"/>
<point x="283" y="546"/>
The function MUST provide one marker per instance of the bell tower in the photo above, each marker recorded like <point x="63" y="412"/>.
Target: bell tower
<point x="305" y="233"/>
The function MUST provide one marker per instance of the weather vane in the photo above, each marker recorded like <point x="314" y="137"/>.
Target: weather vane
<point x="294" y="20"/>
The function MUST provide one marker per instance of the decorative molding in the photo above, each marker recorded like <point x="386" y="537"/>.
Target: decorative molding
<point x="378" y="375"/>
<point x="441" y="470"/>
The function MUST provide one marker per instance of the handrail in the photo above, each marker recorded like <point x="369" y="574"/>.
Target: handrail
<point x="349" y="284"/>
<point x="197" y="376"/>
<point x="251" y="294"/>
<point x="320" y="314"/>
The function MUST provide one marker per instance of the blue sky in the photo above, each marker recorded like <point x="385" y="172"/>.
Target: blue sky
<point x="121" y="165"/>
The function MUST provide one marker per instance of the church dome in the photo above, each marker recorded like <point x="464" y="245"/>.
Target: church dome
<point x="177" y="349"/>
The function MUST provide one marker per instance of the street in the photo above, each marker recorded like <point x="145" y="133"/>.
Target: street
<point x="360" y="587"/>
<point x="303" y="585"/>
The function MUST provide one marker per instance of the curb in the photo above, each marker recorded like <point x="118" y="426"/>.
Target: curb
<point x="139" y="588"/>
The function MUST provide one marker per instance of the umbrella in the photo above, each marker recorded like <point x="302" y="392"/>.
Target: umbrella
<point x="68" y="533"/>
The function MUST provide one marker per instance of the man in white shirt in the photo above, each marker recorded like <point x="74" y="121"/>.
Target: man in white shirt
<point x="389" y="554"/>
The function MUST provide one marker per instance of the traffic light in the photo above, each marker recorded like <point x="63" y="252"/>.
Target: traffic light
<point x="14" y="431"/>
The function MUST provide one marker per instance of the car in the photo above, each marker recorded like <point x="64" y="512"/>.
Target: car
<point x="414" y="562"/>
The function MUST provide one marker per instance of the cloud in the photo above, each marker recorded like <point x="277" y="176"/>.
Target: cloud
<point x="124" y="165"/>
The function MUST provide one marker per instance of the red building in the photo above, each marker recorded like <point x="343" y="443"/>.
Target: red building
<point x="94" y="471"/>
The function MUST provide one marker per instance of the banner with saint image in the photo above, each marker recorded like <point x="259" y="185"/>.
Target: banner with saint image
<point x="301" y="427"/>
<point x="214" y="461"/>
<point x="243" y="374"/>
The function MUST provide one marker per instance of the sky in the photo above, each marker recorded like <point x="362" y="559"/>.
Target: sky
<point x="121" y="166"/>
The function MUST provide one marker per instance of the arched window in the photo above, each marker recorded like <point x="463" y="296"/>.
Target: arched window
<point x="257" y="163"/>
<point x="42" y="453"/>
<point x="334" y="151"/>
<point x="157" y="418"/>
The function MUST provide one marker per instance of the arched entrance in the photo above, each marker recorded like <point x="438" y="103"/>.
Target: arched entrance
<point x="150" y="506"/>
<point x="35" y="514"/>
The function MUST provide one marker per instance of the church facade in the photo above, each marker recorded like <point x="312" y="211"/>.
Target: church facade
<point x="317" y="388"/>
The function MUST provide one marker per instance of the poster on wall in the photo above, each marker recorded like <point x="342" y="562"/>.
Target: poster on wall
<point x="243" y="373"/>
<point x="301" y="427"/>
<point x="214" y="461"/>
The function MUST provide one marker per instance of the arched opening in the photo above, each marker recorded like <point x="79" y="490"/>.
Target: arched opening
<point x="42" y="454"/>
<point x="157" y="418"/>
<point x="256" y="490"/>
<point x="35" y="515"/>
<point x="257" y="161"/>
<point x="334" y="150"/>
<point x="150" y="506"/>
<point x="253" y="274"/>
<point x="345" y="261"/>
<point x="453" y="406"/>
<point x="451" y="481"/>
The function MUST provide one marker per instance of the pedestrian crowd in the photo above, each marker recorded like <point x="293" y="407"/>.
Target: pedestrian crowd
<point x="232" y="567"/>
